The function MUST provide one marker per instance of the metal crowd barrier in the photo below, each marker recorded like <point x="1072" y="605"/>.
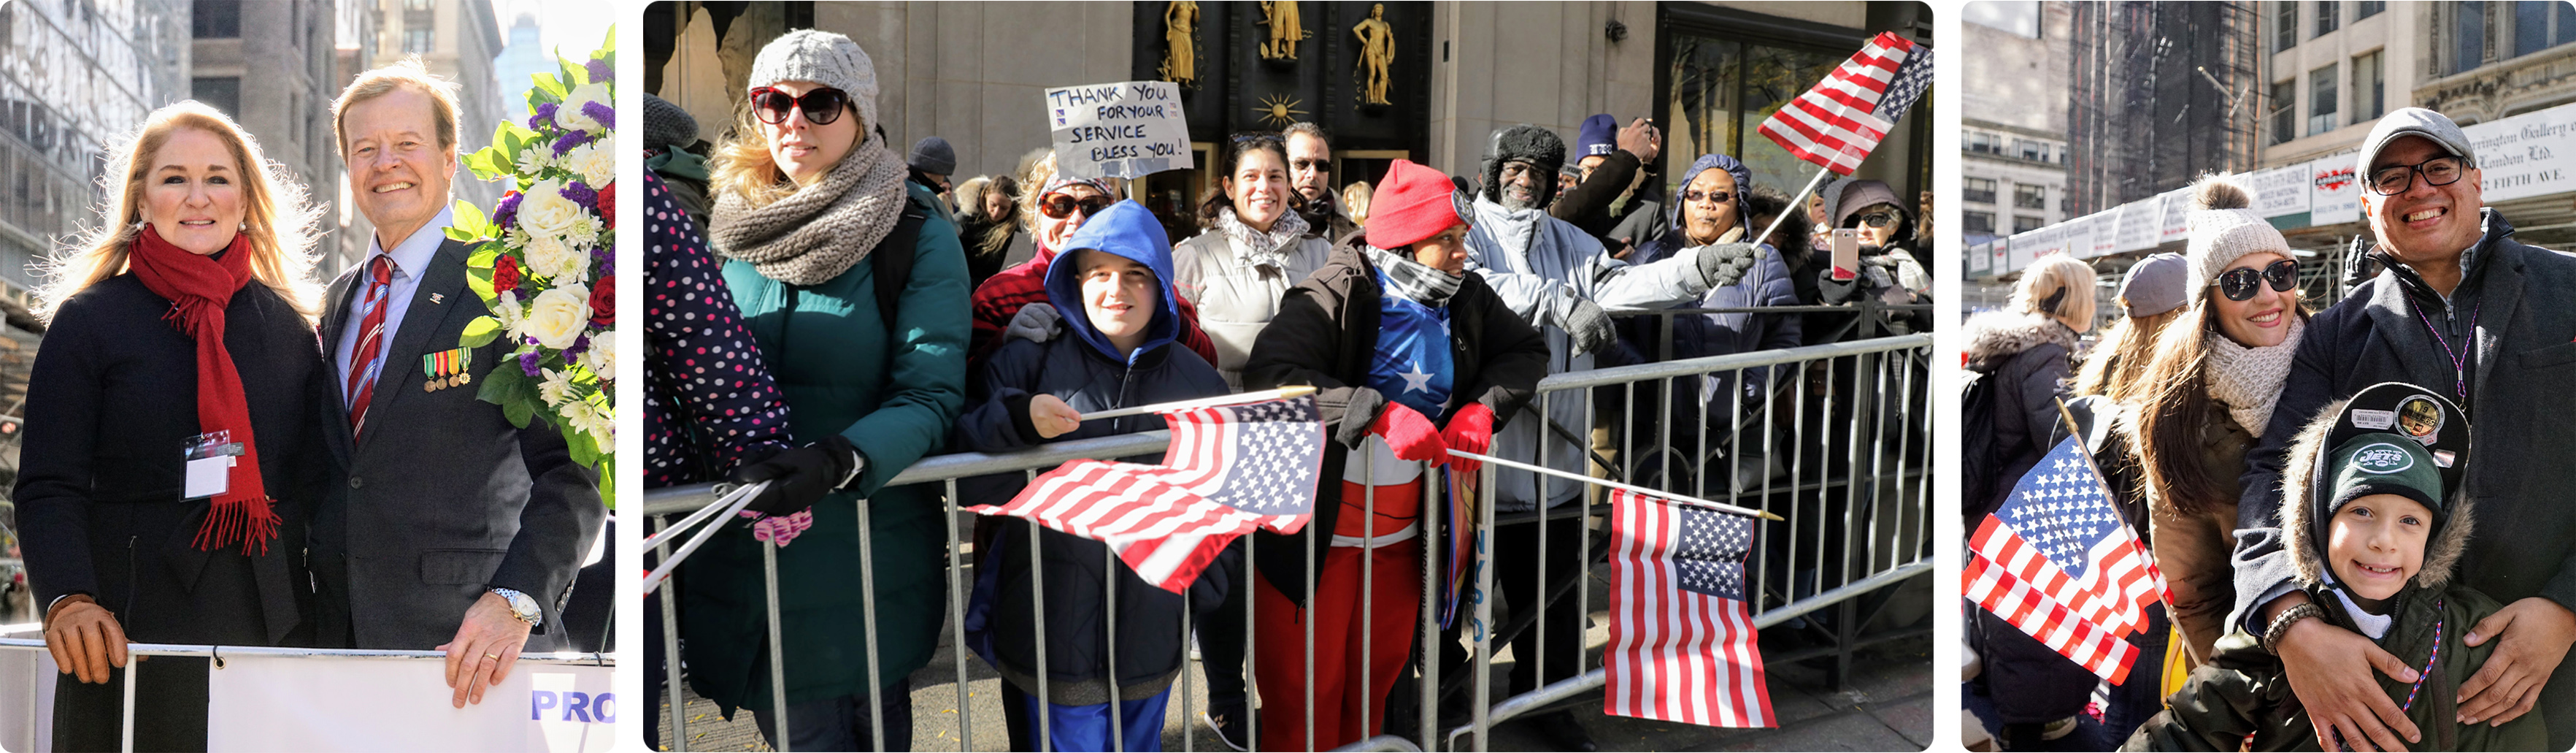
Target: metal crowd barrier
<point x="135" y="651"/>
<point x="1848" y="471"/>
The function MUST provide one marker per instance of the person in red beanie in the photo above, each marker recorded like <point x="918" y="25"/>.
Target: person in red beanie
<point x="1412" y="357"/>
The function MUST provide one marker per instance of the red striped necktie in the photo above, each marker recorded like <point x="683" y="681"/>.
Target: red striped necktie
<point x="367" y="359"/>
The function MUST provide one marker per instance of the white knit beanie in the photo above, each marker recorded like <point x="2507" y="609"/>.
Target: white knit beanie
<point x="823" y="58"/>
<point x="2223" y="230"/>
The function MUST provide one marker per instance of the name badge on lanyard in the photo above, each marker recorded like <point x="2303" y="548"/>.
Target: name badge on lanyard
<point x="210" y="463"/>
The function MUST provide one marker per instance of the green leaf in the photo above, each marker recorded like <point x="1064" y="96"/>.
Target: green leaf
<point x="608" y="45"/>
<point x="471" y="219"/>
<point x="480" y="279"/>
<point x="584" y="450"/>
<point x="483" y="258"/>
<point x="547" y="85"/>
<point x="518" y="413"/>
<point x="573" y="74"/>
<point x="480" y="332"/>
<point x="608" y="481"/>
<point x="459" y="234"/>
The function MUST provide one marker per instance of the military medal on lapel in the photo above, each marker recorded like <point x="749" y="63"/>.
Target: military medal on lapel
<point x="447" y="368"/>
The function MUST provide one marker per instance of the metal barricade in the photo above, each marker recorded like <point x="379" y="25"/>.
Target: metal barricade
<point x="136" y="651"/>
<point x="1837" y="435"/>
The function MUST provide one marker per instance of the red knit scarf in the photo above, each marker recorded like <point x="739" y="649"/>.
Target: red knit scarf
<point x="199" y="287"/>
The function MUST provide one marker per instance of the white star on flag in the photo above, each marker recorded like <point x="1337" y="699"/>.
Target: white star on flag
<point x="1417" y="379"/>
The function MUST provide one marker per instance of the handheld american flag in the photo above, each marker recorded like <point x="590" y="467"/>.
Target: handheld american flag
<point x="2058" y="536"/>
<point x="1682" y="644"/>
<point x="1230" y="468"/>
<point x="1837" y="123"/>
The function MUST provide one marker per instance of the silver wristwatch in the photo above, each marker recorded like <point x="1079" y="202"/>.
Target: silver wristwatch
<point x="522" y="607"/>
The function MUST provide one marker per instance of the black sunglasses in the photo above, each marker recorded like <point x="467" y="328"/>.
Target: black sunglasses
<point x="1059" y="206"/>
<point x="1695" y="195"/>
<point x="1878" y="219"/>
<point x="2239" y="284"/>
<point x="822" y="106"/>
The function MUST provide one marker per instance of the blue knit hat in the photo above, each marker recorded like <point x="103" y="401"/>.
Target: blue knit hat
<point x="1600" y="135"/>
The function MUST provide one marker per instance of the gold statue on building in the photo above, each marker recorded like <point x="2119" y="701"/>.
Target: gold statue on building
<point x="1180" y="29"/>
<point x="1285" y="29"/>
<point x="1377" y="55"/>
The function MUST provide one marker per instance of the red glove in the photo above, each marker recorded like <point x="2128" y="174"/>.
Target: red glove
<point x="1471" y="429"/>
<point x="1409" y="434"/>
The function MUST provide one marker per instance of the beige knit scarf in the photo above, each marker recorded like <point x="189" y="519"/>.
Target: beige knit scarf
<point x="823" y="229"/>
<point x="2249" y="380"/>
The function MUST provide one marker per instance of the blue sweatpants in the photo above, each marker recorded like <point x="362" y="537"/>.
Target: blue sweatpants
<point x="1086" y="728"/>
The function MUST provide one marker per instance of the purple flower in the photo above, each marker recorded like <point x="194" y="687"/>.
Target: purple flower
<point x="528" y="360"/>
<point x="600" y="111"/>
<point x="600" y="71"/>
<point x="570" y="140"/>
<point x="581" y="194"/>
<point x="579" y="345"/>
<point x="543" y="117"/>
<point x="506" y="213"/>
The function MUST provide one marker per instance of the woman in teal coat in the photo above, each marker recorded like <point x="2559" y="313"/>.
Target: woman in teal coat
<point x="811" y="209"/>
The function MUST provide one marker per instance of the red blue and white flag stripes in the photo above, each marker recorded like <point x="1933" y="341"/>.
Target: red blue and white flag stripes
<point x="1682" y="644"/>
<point x="2058" y="538"/>
<point x="1230" y="468"/>
<point x="1836" y="124"/>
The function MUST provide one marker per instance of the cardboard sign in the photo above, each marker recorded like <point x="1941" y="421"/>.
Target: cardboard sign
<point x="1128" y="129"/>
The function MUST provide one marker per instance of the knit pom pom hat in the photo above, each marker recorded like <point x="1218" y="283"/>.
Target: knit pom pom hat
<point x="1413" y="202"/>
<point x="823" y="58"/>
<point x="2224" y="228"/>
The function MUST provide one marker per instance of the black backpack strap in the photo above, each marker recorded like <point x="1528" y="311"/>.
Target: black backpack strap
<point x="893" y="259"/>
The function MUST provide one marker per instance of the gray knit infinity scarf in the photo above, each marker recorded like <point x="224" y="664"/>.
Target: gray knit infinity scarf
<point x="823" y="229"/>
<point x="1254" y="248"/>
<point x="2249" y="380"/>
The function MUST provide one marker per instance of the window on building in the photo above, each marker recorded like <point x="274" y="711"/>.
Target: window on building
<point x="1723" y="86"/>
<point x="1979" y="191"/>
<point x="2566" y="25"/>
<point x="222" y="93"/>
<point x="417" y="41"/>
<point x="2541" y="25"/>
<point x="2023" y="223"/>
<point x="2321" y="100"/>
<point x="1980" y="142"/>
<point x="1978" y="222"/>
<point x="416" y="4"/>
<point x="2468" y="35"/>
<point x="2031" y="150"/>
<point x="2368" y="8"/>
<point x="2327" y="17"/>
<point x="2286" y="33"/>
<point x="2369" y="87"/>
<point x="2030" y="197"/>
<point x="2285" y="111"/>
<point x="215" y="19"/>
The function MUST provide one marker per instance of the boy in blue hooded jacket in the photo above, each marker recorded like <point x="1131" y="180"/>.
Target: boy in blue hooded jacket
<point x="1114" y="283"/>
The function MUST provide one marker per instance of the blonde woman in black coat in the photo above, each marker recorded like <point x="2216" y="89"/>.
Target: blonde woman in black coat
<point x="183" y="326"/>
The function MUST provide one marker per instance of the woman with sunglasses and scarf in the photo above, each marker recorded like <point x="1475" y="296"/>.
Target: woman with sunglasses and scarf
<point x="181" y="339"/>
<point x="1060" y="205"/>
<point x="809" y="197"/>
<point x="2207" y="395"/>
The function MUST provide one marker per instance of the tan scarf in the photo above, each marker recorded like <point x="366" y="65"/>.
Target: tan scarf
<point x="823" y="229"/>
<point x="2249" y="380"/>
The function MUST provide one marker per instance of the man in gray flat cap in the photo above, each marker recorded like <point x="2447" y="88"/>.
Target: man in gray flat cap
<point x="2462" y="308"/>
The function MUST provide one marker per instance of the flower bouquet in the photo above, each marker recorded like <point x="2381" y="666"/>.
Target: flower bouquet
<point x="544" y="260"/>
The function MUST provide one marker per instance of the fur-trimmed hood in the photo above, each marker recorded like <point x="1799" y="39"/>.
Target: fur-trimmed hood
<point x="2304" y="537"/>
<point x="1996" y="335"/>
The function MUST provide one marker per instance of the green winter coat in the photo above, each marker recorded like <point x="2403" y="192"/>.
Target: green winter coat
<point x="829" y="352"/>
<point x="2243" y="690"/>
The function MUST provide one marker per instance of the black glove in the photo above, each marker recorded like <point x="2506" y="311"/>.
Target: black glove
<point x="1587" y="328"/>
<point x="1723" y="265"/>
<point x="798" y="476"/>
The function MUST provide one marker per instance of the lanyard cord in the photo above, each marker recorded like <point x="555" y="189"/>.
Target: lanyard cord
<point x="2436" y="658"/>
<point x="2460" y="357"/>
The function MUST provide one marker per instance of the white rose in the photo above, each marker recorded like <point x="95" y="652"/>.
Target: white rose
<point x="544" y="212"/>
<point x="602" y="357"/>
<point x="569" y="115"/>
<point x="556" y="388"/>
<point x="558" y="316"/>
<point x="597" y="163"/>
<point x="551" y="258"/>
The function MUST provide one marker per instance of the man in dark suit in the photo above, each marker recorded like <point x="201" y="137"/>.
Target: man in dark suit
<point x="457" y="530"/>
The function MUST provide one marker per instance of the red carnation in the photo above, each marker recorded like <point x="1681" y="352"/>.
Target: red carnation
<point x="603" y="302"/>
<point x="505" y="273"/>
<point x="608" y="204"/>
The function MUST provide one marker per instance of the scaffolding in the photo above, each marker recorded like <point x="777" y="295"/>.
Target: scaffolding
<point x="2159" y="93"/>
